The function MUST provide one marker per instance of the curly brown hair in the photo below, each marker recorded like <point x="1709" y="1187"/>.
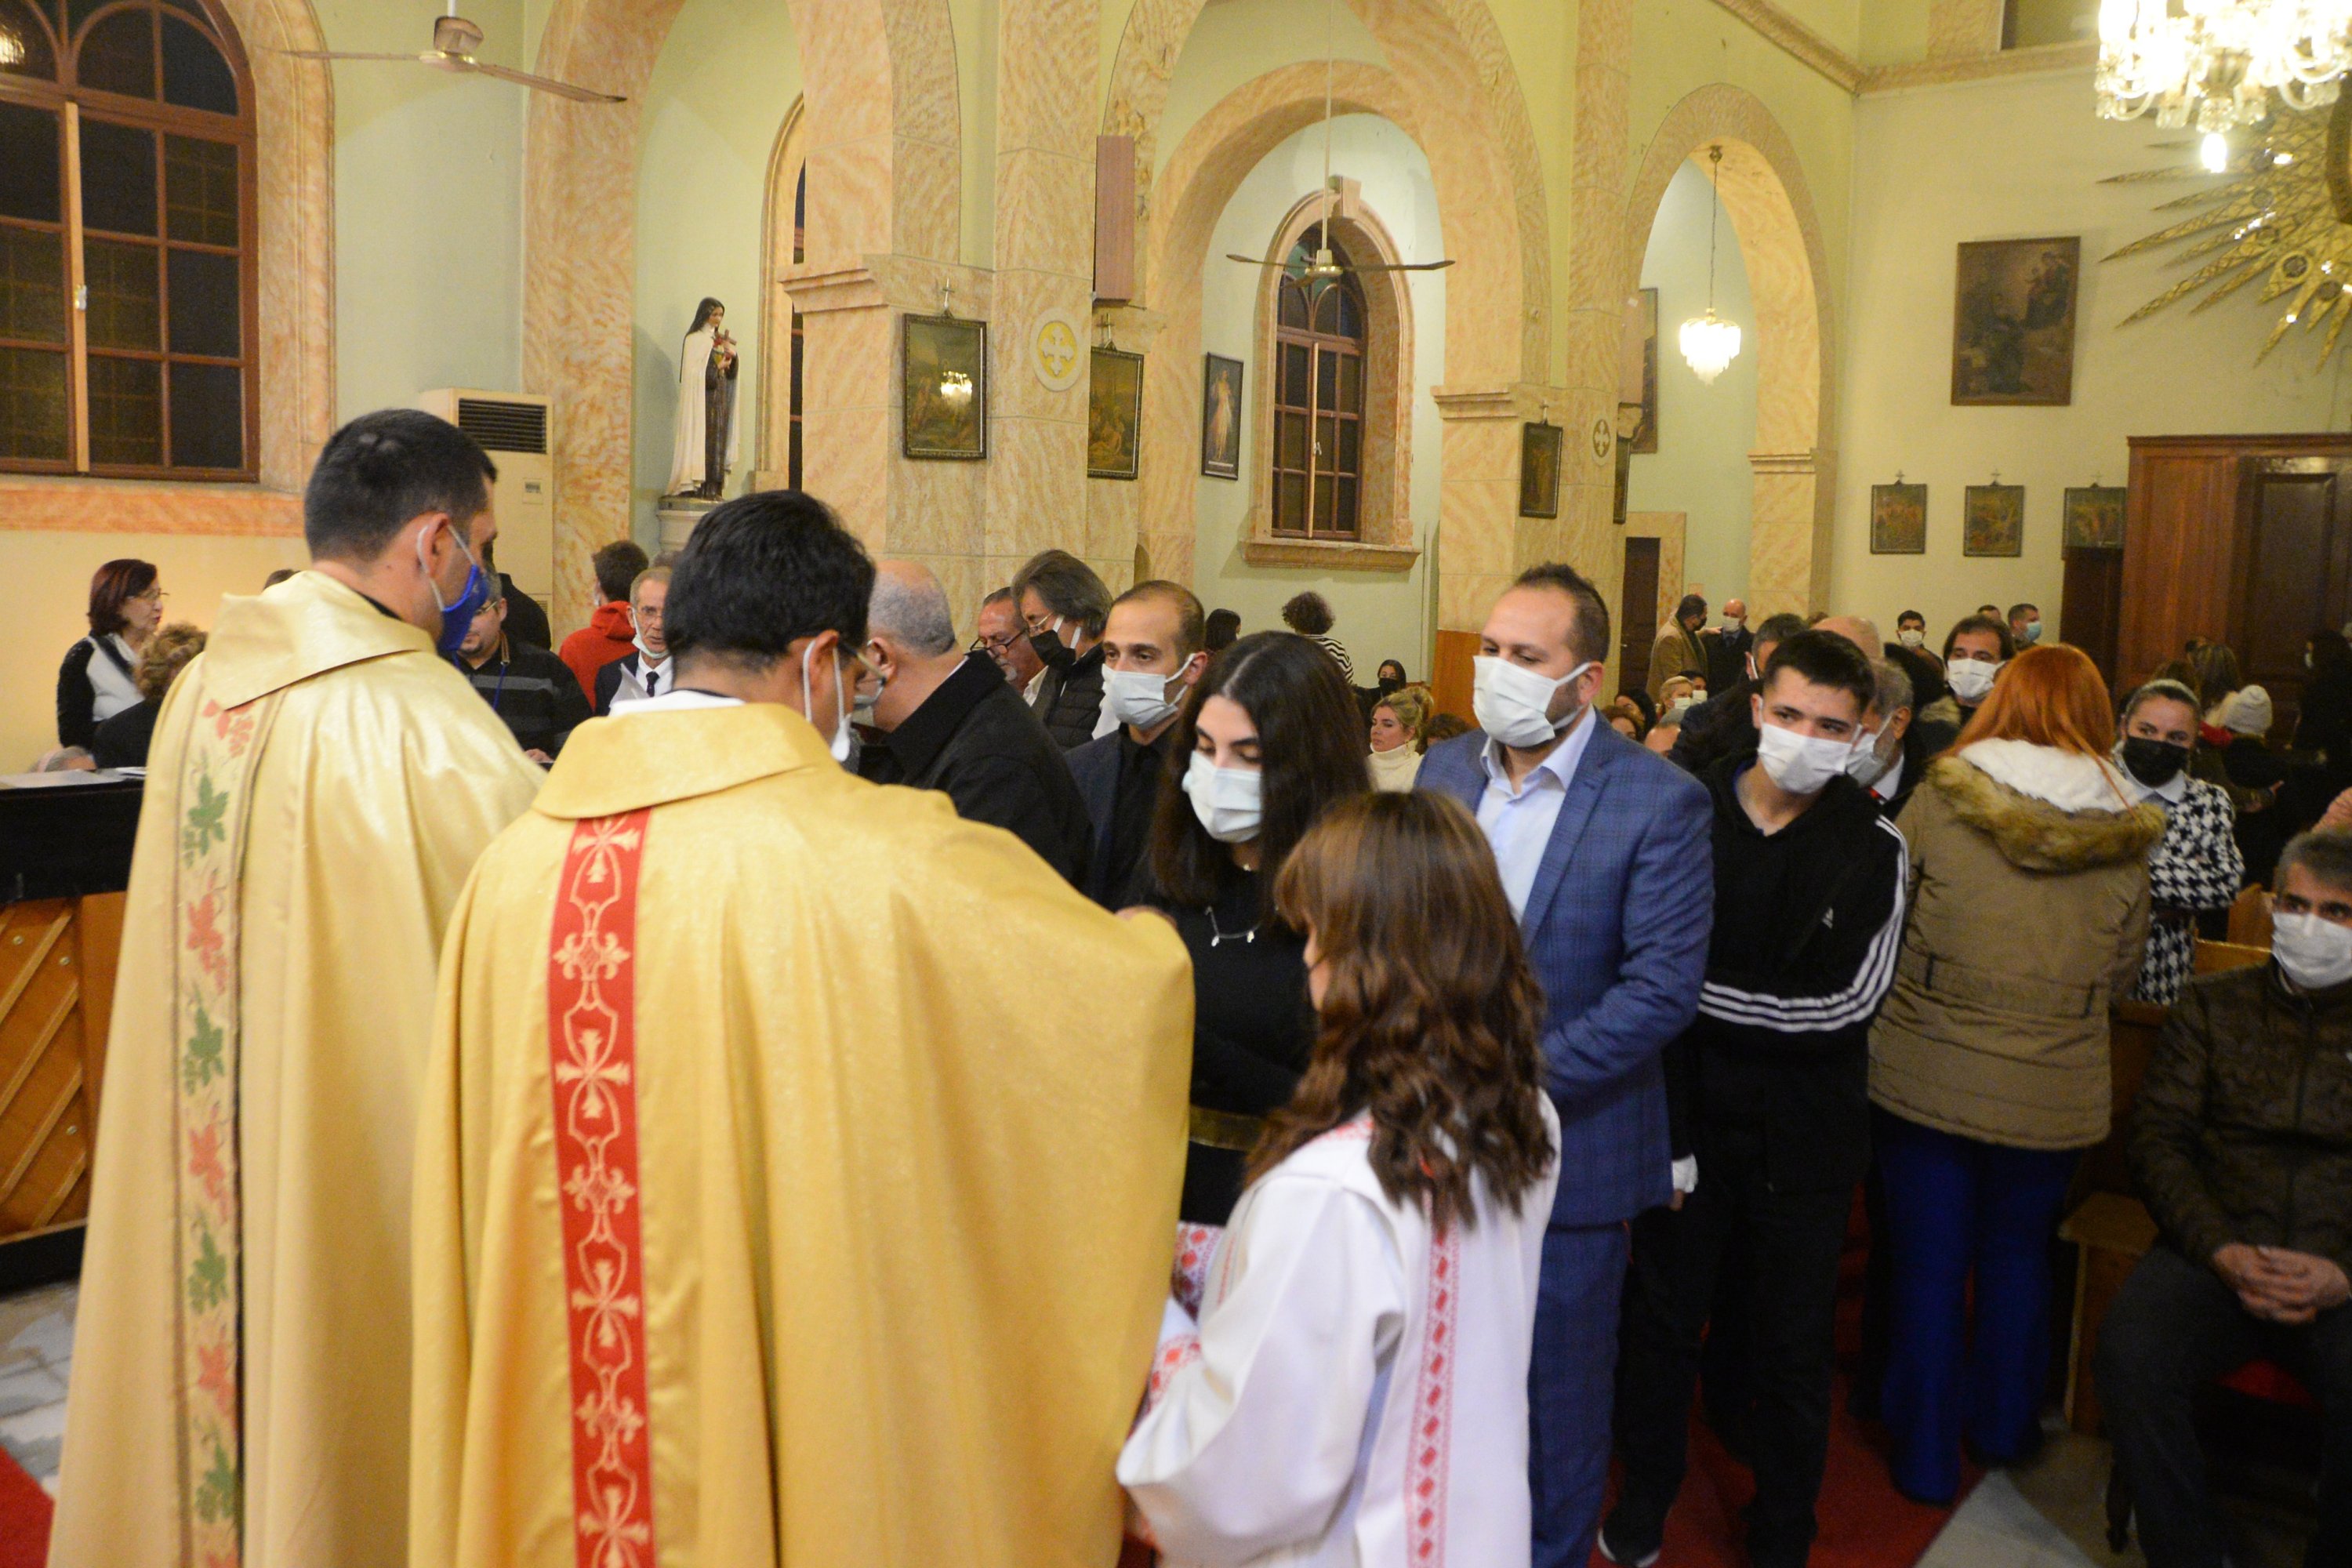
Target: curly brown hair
<point x="168" y="652"/>
<point x="1430" y="1012"/>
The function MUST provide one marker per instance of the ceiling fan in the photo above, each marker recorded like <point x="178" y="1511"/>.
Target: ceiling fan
<point x="455" y="39"/>
<point x="1324" y="267"/>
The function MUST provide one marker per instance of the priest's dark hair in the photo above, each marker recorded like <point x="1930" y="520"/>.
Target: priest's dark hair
<point x="761" y="572"/>
<point x="1310" y="739"/>
<point x="384" y="470"/>
<point x="1430" y="1014"/>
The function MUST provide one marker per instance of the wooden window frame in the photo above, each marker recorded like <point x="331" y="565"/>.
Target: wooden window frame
<point x="1336" y="349"/>
<point x="70" y="101"/>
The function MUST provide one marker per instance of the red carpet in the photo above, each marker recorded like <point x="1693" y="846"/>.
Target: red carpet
<point x="25" y="1511"/>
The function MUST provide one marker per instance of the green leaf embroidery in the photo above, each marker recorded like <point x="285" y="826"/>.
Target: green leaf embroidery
<point x="216" y="1493"/>
<point x="204" y="1060"/>
<point x="206" y="820"/>
<point x="208" y="1281"/>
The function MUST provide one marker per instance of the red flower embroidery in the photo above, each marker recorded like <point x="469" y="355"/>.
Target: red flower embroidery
<point x="205" y="1162"/>
<point x="218" y="1377"/>
<point x="233" y="725"/>
<point x="205" y="938"/>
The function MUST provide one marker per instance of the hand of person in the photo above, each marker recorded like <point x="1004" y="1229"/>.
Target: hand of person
<point x="2308" y="1284"/>
<point x="2338" y="812"/>
<point x="2259" y="1283"/>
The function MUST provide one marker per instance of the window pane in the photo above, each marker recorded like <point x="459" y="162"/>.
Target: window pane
<point x="1344" y="514"/>
<point x="30" y="177"/>
<point x="800" y="354"/>
<point x="1322" y="508"/>
<point x="118" y="177"/>
<point x="1326" y="379"/>
<point x="32" y="285"/>
<point x="1351" y="385"/>
<point x="195" y="75"/>
<point x="33" y="405"/>
<point x="1295" y="359"/>
<point x="25" y="43"/>
<point x="1326" y="443"/>
<point x="80" y="11"/>
<point x="207" y="416"/>
<point x="1290" y="448"/>
<point x="200" y="190"/>
<point x="126" y="411"/>
<point x="125" y="300"/>
<point x="1292" y="310"/>
<point x="205" y="306"/>
<point x="1351" y="313"/>
<point x="1326" y="309"/>
<point x="119" y="55"/>
<point x="1350" y="437"/>
<point x="1290" y="502"/>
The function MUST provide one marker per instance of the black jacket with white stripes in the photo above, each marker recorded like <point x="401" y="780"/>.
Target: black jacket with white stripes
<point x="1808" y="921"/>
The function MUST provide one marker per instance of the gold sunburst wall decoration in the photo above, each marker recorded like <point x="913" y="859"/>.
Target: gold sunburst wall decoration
<point x="2280" y="212"/>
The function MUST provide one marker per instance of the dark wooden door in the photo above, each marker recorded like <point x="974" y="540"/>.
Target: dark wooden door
<point x="1637" y="615"/>
<point x="2089" y="605"/>
<point x="2293" y="572"/>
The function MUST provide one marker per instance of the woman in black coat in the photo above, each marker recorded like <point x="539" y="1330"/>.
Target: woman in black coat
<point x="99" y="676"/>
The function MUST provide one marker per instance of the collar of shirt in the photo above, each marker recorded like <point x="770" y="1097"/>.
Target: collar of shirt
<point x="1889" y="782"/>
<point x="924" y="733"/>
<point x="680" y="699"/>
<point x="1558" y="765"/>
<point x="2171" y="792"/>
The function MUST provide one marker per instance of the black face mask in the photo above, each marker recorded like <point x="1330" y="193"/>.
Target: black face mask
<point x="1051" y="650"/>
<point x="2154" y="762"/>
<point x="1391" y="683"/>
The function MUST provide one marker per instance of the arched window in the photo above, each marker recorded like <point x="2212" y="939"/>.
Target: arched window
<point x="127" y="285"/>
<point x="800" y="327"/>
<point x="1319" y="402"/>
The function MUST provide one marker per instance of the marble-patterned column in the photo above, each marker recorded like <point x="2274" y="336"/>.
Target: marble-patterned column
<point x="1480" y="542"/>
<point x="1789" y="541"/>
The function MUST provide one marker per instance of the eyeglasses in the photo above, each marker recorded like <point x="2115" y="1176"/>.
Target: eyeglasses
<point x="992" y="646"/>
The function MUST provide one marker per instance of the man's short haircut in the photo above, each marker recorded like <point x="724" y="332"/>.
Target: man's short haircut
<point x="761" y="572"/>
<point x="1309" y="615"/>
<point x="2161" y="689"/>
<point x="1911" y="615"/>
<point x="912" y="610"/>
<point x="1000" y="596"/>
<point x="2021" y="607"/>
<point x="1068" y="587"/>
<point x="2325" y="853"/>
<point x="660" y="571"/>
<point x="1191" y="621"/>
<point x="1893" y="688"/>
<point x="1224" y="630"/>
<point x="1779" y="629"/>
<point x="617" y="565"/>
<point x="1828" y="660"/>
<point x="1692" y="604"/>
<point x="384" y="469"/>
<point x="1588" y="636"/>
<point x="1968" y="624"/>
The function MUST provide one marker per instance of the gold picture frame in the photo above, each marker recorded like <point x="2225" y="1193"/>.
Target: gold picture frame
<point x="943" y="388"/>
<point x="1898" y="520"/>
<point x="1993" y="521"/>
<point x="1114" y="414"/>
<point x="1539" y="447"/>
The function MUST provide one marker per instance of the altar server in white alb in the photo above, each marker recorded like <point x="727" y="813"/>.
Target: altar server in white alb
<point x="1355" y="1391"/>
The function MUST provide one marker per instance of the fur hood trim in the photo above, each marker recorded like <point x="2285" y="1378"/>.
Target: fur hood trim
<point x="2067" y="780"/>
<point x="2034" y="834"/>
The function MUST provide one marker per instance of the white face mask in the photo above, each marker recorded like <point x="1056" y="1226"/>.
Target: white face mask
<point x="1970" y="679"/>
<point x="1679" y="708"/>
<point x="1514" y="703"/>
<point x="2316" y="953"/>
<point x="1140" y="697"/>
<point x="1911" y="637"/>
<point x="1226" y="800"/>
<point x="1866" y="767"/>
<point x="840" y="746"/>
<point x="1801" y="764"/>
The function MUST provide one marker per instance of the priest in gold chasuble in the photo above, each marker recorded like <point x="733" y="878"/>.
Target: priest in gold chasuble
<point x="321" y="782"/>
<point x="798" y="1161"/>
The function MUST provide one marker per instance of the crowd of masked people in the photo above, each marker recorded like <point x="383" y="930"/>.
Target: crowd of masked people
<point x="1803" y="912"/>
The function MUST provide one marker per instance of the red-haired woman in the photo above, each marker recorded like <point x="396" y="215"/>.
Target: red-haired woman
<point x="1357" y="1389"/>
<point x="98" y="680"/>
<point x="1989" y="1063"/>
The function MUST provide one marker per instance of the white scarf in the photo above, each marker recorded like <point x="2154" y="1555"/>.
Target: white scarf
<point x="1395" y="770"/>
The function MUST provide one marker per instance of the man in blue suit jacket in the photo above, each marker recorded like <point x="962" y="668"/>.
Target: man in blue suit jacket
<point x="1606" y="853"/>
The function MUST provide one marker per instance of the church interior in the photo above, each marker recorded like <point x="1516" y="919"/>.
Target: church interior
<point x="998" y="276"/>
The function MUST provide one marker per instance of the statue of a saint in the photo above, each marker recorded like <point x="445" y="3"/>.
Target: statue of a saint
<point x="705" y="445"/>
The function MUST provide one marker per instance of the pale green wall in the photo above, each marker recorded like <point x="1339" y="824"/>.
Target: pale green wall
<point x="1236" y="41"/>
<point x="1704" y="433"/>
<point x="428" y="209"/>
<point x="1378" y="614"/>
<point x="1894" y="32"/>
<point x="728" y="74"/>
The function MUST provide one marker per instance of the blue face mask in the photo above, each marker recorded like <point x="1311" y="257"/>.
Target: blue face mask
<point x="458" y="617"/>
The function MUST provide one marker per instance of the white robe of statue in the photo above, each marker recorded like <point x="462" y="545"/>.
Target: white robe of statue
<point x="686" y="438"/>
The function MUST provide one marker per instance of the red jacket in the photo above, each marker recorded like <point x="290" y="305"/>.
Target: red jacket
<point x="610" y="634"/>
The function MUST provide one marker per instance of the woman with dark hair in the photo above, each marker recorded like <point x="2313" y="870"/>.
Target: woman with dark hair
<point x="2325" y="721"/>
<point x="1356" y="1387"/>
<point x="1309" y="614"/>
<point x="99" y="676"/>
<point x="1265" y="745"/>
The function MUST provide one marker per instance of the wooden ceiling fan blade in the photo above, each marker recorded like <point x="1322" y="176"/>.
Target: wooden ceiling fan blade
<point x="1401" y="266"/>
<point x="1256" y="261"/>
<point x="344" y="55"/>
<point x="547" y="84"/>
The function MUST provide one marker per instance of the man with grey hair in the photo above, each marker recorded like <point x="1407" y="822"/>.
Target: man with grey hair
<point x="949" y="722"/>
<point x="1065" y="607"/>
<point x="999" y="635"/>
<point x="1883" y="761"/>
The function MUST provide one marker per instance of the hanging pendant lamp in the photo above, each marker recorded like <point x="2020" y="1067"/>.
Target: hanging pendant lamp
<point x="1709" y="342"/>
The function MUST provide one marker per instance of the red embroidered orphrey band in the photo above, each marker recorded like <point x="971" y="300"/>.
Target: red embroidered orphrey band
<point x="1428" y="1458"/>
<point x="592" y="1045"/>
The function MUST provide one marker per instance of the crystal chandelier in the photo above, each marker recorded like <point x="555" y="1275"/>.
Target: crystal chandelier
<point x="1708" y="342"/>
<point x="2215" y="63"/>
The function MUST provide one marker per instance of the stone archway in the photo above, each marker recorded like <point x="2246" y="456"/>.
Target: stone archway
<point x="1765" y="192"/>
<point x="883" y="140"/>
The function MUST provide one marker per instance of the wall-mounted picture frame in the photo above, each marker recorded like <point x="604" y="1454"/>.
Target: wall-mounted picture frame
<point x="1114" y="414"/>
<point x="2093" y="518"/>
<point x="943" y="388"/>
<point x="1898" y="520"/>
<point x="1993" y="521"/>
<point x="1539" y="470"/>
<point x="1646" y="434"/>
<point x="1221" y="417"/>
<point x="2013" y="322"/>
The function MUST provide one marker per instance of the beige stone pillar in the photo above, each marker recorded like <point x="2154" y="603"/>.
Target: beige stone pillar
<point x="1789" y="540"/>
<point x="1482" y="541"/>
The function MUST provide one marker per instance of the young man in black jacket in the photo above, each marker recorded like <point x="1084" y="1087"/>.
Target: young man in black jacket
<point x="1767" y="1091"/>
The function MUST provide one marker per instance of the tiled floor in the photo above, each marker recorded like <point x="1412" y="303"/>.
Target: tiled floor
<point x="36" y="1350"/>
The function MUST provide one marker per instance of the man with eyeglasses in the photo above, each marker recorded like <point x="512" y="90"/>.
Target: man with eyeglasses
<point x="1002" y="637"/>
<point x="2241" y="1144"/>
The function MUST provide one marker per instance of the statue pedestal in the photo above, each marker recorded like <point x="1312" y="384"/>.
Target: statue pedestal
<point x="678" y="516"/>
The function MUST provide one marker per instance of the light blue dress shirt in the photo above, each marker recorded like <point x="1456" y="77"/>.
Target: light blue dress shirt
<point x="1518" y="823"/>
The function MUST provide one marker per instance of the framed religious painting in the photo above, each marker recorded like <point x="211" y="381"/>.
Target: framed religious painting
<point x="1646" y="434"/>
<point x="1993" y="521"/>
<point x="1539" y="470"/>
<point x="944" y="392"/>
<point x="2013" y="321"/>
<point x="1114" y="414"/>
<point x="1898" y="520"/>
<point x="1221" y="417"/>
<point x="2093" y="518"/>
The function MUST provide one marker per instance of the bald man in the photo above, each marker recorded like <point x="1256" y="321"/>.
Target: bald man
<point x="950" y="722"/>
<point x="1728" y="647"/>
<point x="1859" y="630"/>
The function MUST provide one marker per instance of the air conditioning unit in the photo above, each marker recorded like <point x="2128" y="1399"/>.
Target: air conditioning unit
<point x="513" y="427"/>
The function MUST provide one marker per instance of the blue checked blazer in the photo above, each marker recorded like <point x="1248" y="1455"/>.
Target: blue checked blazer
<point x="1617" y="927"/>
